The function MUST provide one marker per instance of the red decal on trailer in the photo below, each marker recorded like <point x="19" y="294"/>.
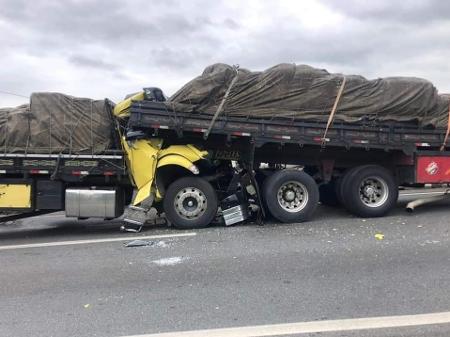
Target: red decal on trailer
<point x="199" y="130"/>
<point x="80" y="173"/>
<point x="320" y="139"/>
<point x="242" y="134"/>
<point x="433" y="169"/>
<point x="36" y="171"/>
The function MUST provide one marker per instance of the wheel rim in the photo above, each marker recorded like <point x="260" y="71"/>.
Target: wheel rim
<point x="190" y="203"/>
<point x="373" y="191"/>
<point x="292" y="196"/>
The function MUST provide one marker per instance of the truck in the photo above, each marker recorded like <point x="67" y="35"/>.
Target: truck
<point x="197" y="169"/>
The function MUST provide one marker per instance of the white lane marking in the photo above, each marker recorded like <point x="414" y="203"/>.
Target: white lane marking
<point x="84" y="242"/>
<point x="315" y="326"/>
<point x="170" y="261"/>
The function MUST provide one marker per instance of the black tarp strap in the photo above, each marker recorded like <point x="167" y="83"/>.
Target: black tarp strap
<point x="448" y="130"/>
<point x="333" y="110"/>
<point x="222" y="104"/>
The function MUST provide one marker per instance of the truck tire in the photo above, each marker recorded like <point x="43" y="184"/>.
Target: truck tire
<point x="328" y="194"/>
<point x="342" y="181"/>
<point x="369" y="191"/>
<point x="190" y="202"/>
<point x="291" y="195"/>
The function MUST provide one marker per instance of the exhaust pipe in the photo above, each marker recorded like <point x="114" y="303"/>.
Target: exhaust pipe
<point x="411" y="206"/>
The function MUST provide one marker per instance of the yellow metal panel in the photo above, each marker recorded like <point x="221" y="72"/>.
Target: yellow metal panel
<point x="15" y="196"/>
<point x="190" y="152"/>
<point x="177" y="160"/>
<point x="143" y="193"/>
<point x="122" y="109"/>
<point x="142" y="157"/>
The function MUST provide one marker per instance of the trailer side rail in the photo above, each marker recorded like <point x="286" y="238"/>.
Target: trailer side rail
<point x="152" y="115"/>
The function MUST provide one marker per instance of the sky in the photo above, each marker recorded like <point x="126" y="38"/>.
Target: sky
<point x="112" y="48"/>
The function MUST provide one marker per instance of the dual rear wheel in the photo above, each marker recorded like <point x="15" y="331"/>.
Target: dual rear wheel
<point x="366" y="191"/>
<point x="290" y="195"/>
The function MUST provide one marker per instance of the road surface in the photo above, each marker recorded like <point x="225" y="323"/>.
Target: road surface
<point x="60" y="277"/>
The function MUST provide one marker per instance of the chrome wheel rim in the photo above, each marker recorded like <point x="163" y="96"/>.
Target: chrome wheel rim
<point x="373" y="191"/>
<point x="292" y="196"/>
<point x="190" y="203"/>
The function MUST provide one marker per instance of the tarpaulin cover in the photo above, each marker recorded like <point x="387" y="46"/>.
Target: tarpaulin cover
<point x="306" y="93"/>
<point x="56" y="123"/>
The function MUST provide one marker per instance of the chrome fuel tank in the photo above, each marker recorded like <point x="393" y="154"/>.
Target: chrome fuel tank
<point x="94" y="203"/>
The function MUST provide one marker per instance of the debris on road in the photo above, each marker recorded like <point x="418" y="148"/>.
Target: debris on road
<point x="86" y="306"/>
<point x="379" y="236"/>
<point x="170" y="261"/>
<point x="427" y="242"/>
<point x="145" y="243"/>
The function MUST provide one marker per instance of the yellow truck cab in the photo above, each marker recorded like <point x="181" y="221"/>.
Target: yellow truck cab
<point x="146" y="157"/>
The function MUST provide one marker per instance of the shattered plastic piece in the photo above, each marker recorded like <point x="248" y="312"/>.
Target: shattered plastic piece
<point x="379" y="236"/>
<point x="139" y="243"/>
<point x="143" y="243"/>
<point x="170" y="261"/>
<point x="162" y="244"/>
<point x="86" y="306"/>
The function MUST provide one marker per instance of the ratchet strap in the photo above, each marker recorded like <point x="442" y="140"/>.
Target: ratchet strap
<point x="220" y="108"/>
<point x="448" y="130"/>
<point x="333" y="110"/>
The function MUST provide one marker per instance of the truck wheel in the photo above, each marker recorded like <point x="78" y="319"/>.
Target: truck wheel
<point x="369" y="191"/>
<point x="190" y="202"/>
<point x="341" y="181"/>
<point x="328" y="194"/>
<point x="291" y="195"/>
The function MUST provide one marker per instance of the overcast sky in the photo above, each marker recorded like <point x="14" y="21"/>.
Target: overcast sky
<point x="111" y="48"/>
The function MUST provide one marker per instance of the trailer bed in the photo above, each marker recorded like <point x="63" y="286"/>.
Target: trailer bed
<point x="369" y="135"/>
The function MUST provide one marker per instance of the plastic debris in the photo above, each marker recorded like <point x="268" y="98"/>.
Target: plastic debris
<point x="170" y="261"/>
<point x="144" y="243"/>
<point x="86" y="306"/>
<point x="138" y="243"/>
<point x="162" y="244"/>
<point x="379" y="236"/>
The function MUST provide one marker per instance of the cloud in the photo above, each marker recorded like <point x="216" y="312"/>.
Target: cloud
<point x="111" y="48"/>
<point x="85" y="61"/>
<point x="409" y="12"/>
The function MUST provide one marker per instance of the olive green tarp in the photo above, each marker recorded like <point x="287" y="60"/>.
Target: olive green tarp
<point x="305" y="93"/>
<point x="56" y="123"/>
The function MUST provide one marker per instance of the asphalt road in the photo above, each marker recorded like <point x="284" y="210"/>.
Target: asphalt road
<point x="330" y="268"/>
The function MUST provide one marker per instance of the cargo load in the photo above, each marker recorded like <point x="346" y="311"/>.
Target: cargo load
<point x="57" y="123"/>
<point x="301" y="92"/>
